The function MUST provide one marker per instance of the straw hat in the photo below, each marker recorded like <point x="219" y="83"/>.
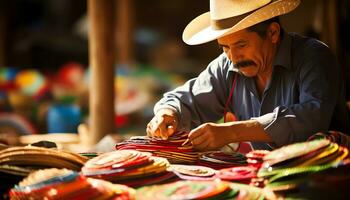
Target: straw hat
<point x="229" y="16"/>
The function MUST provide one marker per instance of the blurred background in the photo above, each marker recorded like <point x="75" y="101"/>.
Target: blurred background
<point x="44" y="63"/>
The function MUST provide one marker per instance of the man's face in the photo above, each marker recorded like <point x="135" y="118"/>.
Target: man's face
<point x="250" y="53"/>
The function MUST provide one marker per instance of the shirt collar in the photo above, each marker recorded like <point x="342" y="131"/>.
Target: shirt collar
<point x="283" y="55"/>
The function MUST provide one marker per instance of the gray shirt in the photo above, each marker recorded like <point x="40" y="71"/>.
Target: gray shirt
<point x="304" y="96"/>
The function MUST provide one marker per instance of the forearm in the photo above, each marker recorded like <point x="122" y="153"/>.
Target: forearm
<point x="211" y="136"/>
<point x="249" y="130"/>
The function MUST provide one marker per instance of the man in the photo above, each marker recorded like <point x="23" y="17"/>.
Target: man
<point x="281" y="87"/>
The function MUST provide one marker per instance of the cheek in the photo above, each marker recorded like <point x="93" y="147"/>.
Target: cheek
<point x="263" y="52"/>
<point x="256" y="57"/>
<point x="252" y="56"/>
<point x="255" y="53"/>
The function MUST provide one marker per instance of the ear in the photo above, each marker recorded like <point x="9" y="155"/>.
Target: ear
<point x="274" y="32"/>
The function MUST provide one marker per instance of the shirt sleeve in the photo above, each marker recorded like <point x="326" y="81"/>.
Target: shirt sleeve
<point x="201" y="99"/>
<point x="319" y="88"/>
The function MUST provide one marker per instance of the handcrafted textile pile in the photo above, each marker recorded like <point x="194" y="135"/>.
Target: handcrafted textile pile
<point x="255" y="158"/>
<point x="242" y="174"/>
<point x="296" y="165"/>
<point x="17" y="162"/>
<point x="171" y="149"/>
<point x="129" y="167"/>
<point x="219" y="160"/>
<point x="316" y="169"/>
<point x="22" y="160"/>
<point x="199" y="190"/>
<point x="340" y="138"/>
<point x="193" y="172"/>
<point x="66" y="184"/>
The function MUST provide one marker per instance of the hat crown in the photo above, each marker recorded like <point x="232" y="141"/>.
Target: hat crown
<point x="229" y="16"/>
<point x="222" y="9"/>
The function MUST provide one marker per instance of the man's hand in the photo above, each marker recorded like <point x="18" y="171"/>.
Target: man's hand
<point x="209" y="136"/>
<point x="163" y="124"/>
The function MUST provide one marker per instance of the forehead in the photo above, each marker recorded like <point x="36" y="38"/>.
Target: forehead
<point x="242" y="35"/>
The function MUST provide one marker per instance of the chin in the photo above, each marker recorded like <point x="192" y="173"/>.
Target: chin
<point x="248" y="73"/>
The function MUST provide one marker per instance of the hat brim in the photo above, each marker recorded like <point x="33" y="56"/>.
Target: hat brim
<point x="200" y="31"/>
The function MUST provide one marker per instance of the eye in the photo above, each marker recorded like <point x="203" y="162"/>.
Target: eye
<point x="224" y="47"/>
<point x="241" y="45"/>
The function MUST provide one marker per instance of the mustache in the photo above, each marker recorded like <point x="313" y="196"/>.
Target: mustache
<point x="244" y="63"/>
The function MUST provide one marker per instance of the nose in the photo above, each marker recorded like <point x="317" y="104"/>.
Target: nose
<point x="234" y="55"/>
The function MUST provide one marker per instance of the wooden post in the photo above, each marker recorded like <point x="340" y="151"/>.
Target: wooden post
<point x="332" y="13"/>
<point x="2" y="35"/>
<point x="124" y="31"/>
<point x="101" y="60"/>
<point x="330" y="24"/>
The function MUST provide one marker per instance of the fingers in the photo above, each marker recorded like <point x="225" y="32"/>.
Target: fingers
<point x="199" y="138"/>
<point x="201" y="146"/>
<point x="194" y="133"/>
<point x="161" y="127"/>
<point x="152" y="128"/>
<point x="204" y="137"/>
<point x="198" y="141"/>
<point x="148" y="130"/>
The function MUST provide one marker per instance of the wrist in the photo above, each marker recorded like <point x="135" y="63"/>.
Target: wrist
<point x="167" y="111"/>
<point x="248" y="130"/>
